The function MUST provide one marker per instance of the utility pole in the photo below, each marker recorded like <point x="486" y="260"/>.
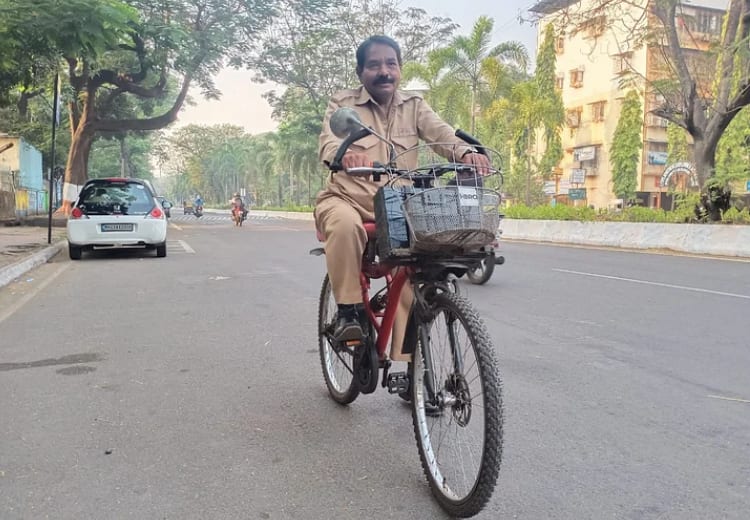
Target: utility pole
<point x="55" y="122"/>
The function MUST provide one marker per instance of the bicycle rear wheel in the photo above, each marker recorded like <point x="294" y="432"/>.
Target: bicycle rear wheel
<point x="337" y="361"/>
<point x="457" y="406"/>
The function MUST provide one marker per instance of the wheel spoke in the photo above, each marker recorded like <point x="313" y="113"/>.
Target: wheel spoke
<point x="338" y="371"/>
<point x="461" y="443"/>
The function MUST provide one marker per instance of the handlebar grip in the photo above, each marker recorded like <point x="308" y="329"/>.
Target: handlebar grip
<point x="335" y="165"/>
<point x="470" y="139"/>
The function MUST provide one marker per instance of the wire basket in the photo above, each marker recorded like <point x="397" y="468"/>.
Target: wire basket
<point x="452" y="217"/>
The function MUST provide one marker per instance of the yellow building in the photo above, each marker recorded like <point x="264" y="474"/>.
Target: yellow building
<point x="599" y="59"/>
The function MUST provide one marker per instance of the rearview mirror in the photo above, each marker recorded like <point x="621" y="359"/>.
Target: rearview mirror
<point x="344" y="122"/>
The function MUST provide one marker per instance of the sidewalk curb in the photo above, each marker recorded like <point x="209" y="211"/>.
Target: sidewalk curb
<point x="13" y="271"/>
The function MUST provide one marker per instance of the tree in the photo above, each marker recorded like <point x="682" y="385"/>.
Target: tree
<point x="552" y="116"/>
<point x="700" y="98"/>
<point x="733" y="151"/>
<point x="27" y="55"/>
<point x="146" y="50"/>
<point x="465" y="57"/>
<point x="625" y="151"/>
<point x="311" y="45"/>
<point x="677" y="144"/>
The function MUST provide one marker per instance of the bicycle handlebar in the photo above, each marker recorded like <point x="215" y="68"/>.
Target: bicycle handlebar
<point x="335" y="165"/>
<point x="468" y="138"/>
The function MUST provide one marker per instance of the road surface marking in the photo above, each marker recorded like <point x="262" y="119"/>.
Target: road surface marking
<point x="186" y="247"/>
<point x="735" y="399"/>
<point x="178" y="228"/>
<point x="658" y="284"/>
<point x="14" y="307"/>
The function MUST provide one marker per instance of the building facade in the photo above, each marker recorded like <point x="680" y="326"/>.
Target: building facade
<point x="600" y="57"/>
<point x="22" y="190"/>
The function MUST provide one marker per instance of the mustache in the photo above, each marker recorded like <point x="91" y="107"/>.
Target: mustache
<point x="383" y="81"/>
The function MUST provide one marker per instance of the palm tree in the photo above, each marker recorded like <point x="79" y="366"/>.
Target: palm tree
<point x="465" y="59"/>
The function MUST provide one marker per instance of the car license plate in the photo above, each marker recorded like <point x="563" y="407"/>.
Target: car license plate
<point x="117" y="227"/>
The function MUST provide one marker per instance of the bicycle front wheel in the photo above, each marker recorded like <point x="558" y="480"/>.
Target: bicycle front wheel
<point x="337" y="361"/>
<point x="457" y="406"/>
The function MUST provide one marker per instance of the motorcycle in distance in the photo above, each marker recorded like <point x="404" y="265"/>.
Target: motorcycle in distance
<point x="481" y="272"/>
<point x="238" y="216"/>
<point x="198" y="211"/>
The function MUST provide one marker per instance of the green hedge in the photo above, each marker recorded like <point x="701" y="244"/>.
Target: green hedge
<point x="681" y="214"/>
<point x="292" y="208"/>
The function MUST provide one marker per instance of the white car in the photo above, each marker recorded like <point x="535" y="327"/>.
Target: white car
<point x="116" y="213"/>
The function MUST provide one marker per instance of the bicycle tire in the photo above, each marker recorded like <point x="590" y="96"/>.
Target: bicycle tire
<point x="342" y="389"/>
<point x="449" y="308"/>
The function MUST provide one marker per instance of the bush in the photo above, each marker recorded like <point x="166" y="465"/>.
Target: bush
<point x="684" y="212"/>
<point x="557" y="212"/>
<point x="736" y="216"/>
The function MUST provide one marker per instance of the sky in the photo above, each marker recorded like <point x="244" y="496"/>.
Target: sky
<point x="241" y="103"/>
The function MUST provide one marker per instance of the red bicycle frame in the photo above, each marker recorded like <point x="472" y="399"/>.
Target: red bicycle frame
<point x="382" y="320"/>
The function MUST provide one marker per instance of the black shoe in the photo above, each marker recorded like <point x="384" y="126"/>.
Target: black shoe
<point x="347" y="329"/>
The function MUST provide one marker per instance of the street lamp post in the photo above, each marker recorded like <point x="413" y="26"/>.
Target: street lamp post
<point x="55" y="121"/>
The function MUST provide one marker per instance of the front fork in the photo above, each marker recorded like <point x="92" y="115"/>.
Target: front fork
<point x="427" y="315"/>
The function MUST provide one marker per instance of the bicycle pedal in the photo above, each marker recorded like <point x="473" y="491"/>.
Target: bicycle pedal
<point x="398" y="382"/>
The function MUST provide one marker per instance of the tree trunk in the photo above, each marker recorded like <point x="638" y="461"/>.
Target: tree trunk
<point x="76" y="171"/>
<point x="124" y="159"/>
<point x="704" y="160"/>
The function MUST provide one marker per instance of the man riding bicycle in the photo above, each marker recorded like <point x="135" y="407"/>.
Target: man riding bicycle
<point x="401" y="117"/>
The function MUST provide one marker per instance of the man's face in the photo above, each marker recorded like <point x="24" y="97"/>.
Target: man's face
<point x="381" y="73"/>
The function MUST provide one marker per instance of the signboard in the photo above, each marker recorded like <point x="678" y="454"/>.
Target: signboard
<point x="563" y="187"/>
<point x="585" y="153"/>
<point x="683" y="168"/>
<point x="658" y="158"/>
<point x="577" y="175"/>
<point x="549" y="188"/>
<point x="577" y="193"/>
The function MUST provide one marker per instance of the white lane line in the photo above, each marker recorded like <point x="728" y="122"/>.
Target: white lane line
<point x="178" y="228"/>
<point x="186" y="247"/>
<point x="14" y="307"/>
<point x="735" y="399"/>
<point x="658" y="284"/>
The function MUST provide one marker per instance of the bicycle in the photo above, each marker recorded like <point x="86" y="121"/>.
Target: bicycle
<point x="453" y="381"/>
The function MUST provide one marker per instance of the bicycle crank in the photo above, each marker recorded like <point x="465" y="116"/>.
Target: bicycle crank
<point x="366" y="366"/>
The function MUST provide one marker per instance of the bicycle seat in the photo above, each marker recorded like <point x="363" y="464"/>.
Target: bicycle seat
<point x="369" y="229"/>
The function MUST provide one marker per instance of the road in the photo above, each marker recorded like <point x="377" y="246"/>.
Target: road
<point x="189" y="387"/>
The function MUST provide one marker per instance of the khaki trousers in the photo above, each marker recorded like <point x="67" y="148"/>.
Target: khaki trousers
<point x="345" y="240"/>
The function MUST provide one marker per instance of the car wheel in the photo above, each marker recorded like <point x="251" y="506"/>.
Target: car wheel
<point x="161" y="250"/>
<point x="74" y="252"/>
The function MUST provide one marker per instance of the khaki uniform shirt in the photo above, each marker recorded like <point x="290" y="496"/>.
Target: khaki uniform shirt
<point x="409" y="120"/>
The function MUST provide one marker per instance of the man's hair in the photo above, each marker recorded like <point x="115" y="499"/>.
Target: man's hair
<point x="372" y="40"/>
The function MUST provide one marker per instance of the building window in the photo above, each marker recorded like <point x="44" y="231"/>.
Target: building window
<point x="709" y="23"/>
<point x="588" y="158"/>
<point x="656" y="121"/>
<point x="559" y="80"/>
<point x="622" y="62"/>
<point x="657" y="146"/>
<point x="593" y="27"/>
<point x="560" y="44"/>
<point x="597" y="111"/>
<point x="573" y="117"/>
<point x="576" y="78"/>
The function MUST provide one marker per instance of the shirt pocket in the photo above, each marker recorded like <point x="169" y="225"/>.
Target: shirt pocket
<point x="405" y="141"/>
<point x="366" y="144"/>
